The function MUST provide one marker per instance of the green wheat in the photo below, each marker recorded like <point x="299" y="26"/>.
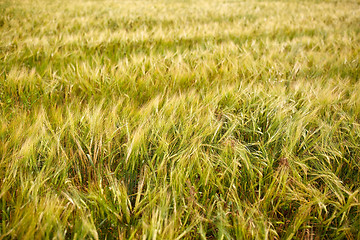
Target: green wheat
<point x="179" y="119"/>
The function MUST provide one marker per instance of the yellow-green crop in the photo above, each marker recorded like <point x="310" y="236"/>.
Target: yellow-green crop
<point x="164" y="119"/>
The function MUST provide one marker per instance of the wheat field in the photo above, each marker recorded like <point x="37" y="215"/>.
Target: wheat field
<point x="170" y="119"/>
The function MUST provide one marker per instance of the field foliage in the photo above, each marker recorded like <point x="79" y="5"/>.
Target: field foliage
<point x="179" y="119"/>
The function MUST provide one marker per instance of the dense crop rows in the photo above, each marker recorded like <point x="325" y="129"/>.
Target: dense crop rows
<point x="179" y="119"/>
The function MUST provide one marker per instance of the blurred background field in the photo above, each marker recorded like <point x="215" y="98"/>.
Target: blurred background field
<point x="179" y="119"/>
